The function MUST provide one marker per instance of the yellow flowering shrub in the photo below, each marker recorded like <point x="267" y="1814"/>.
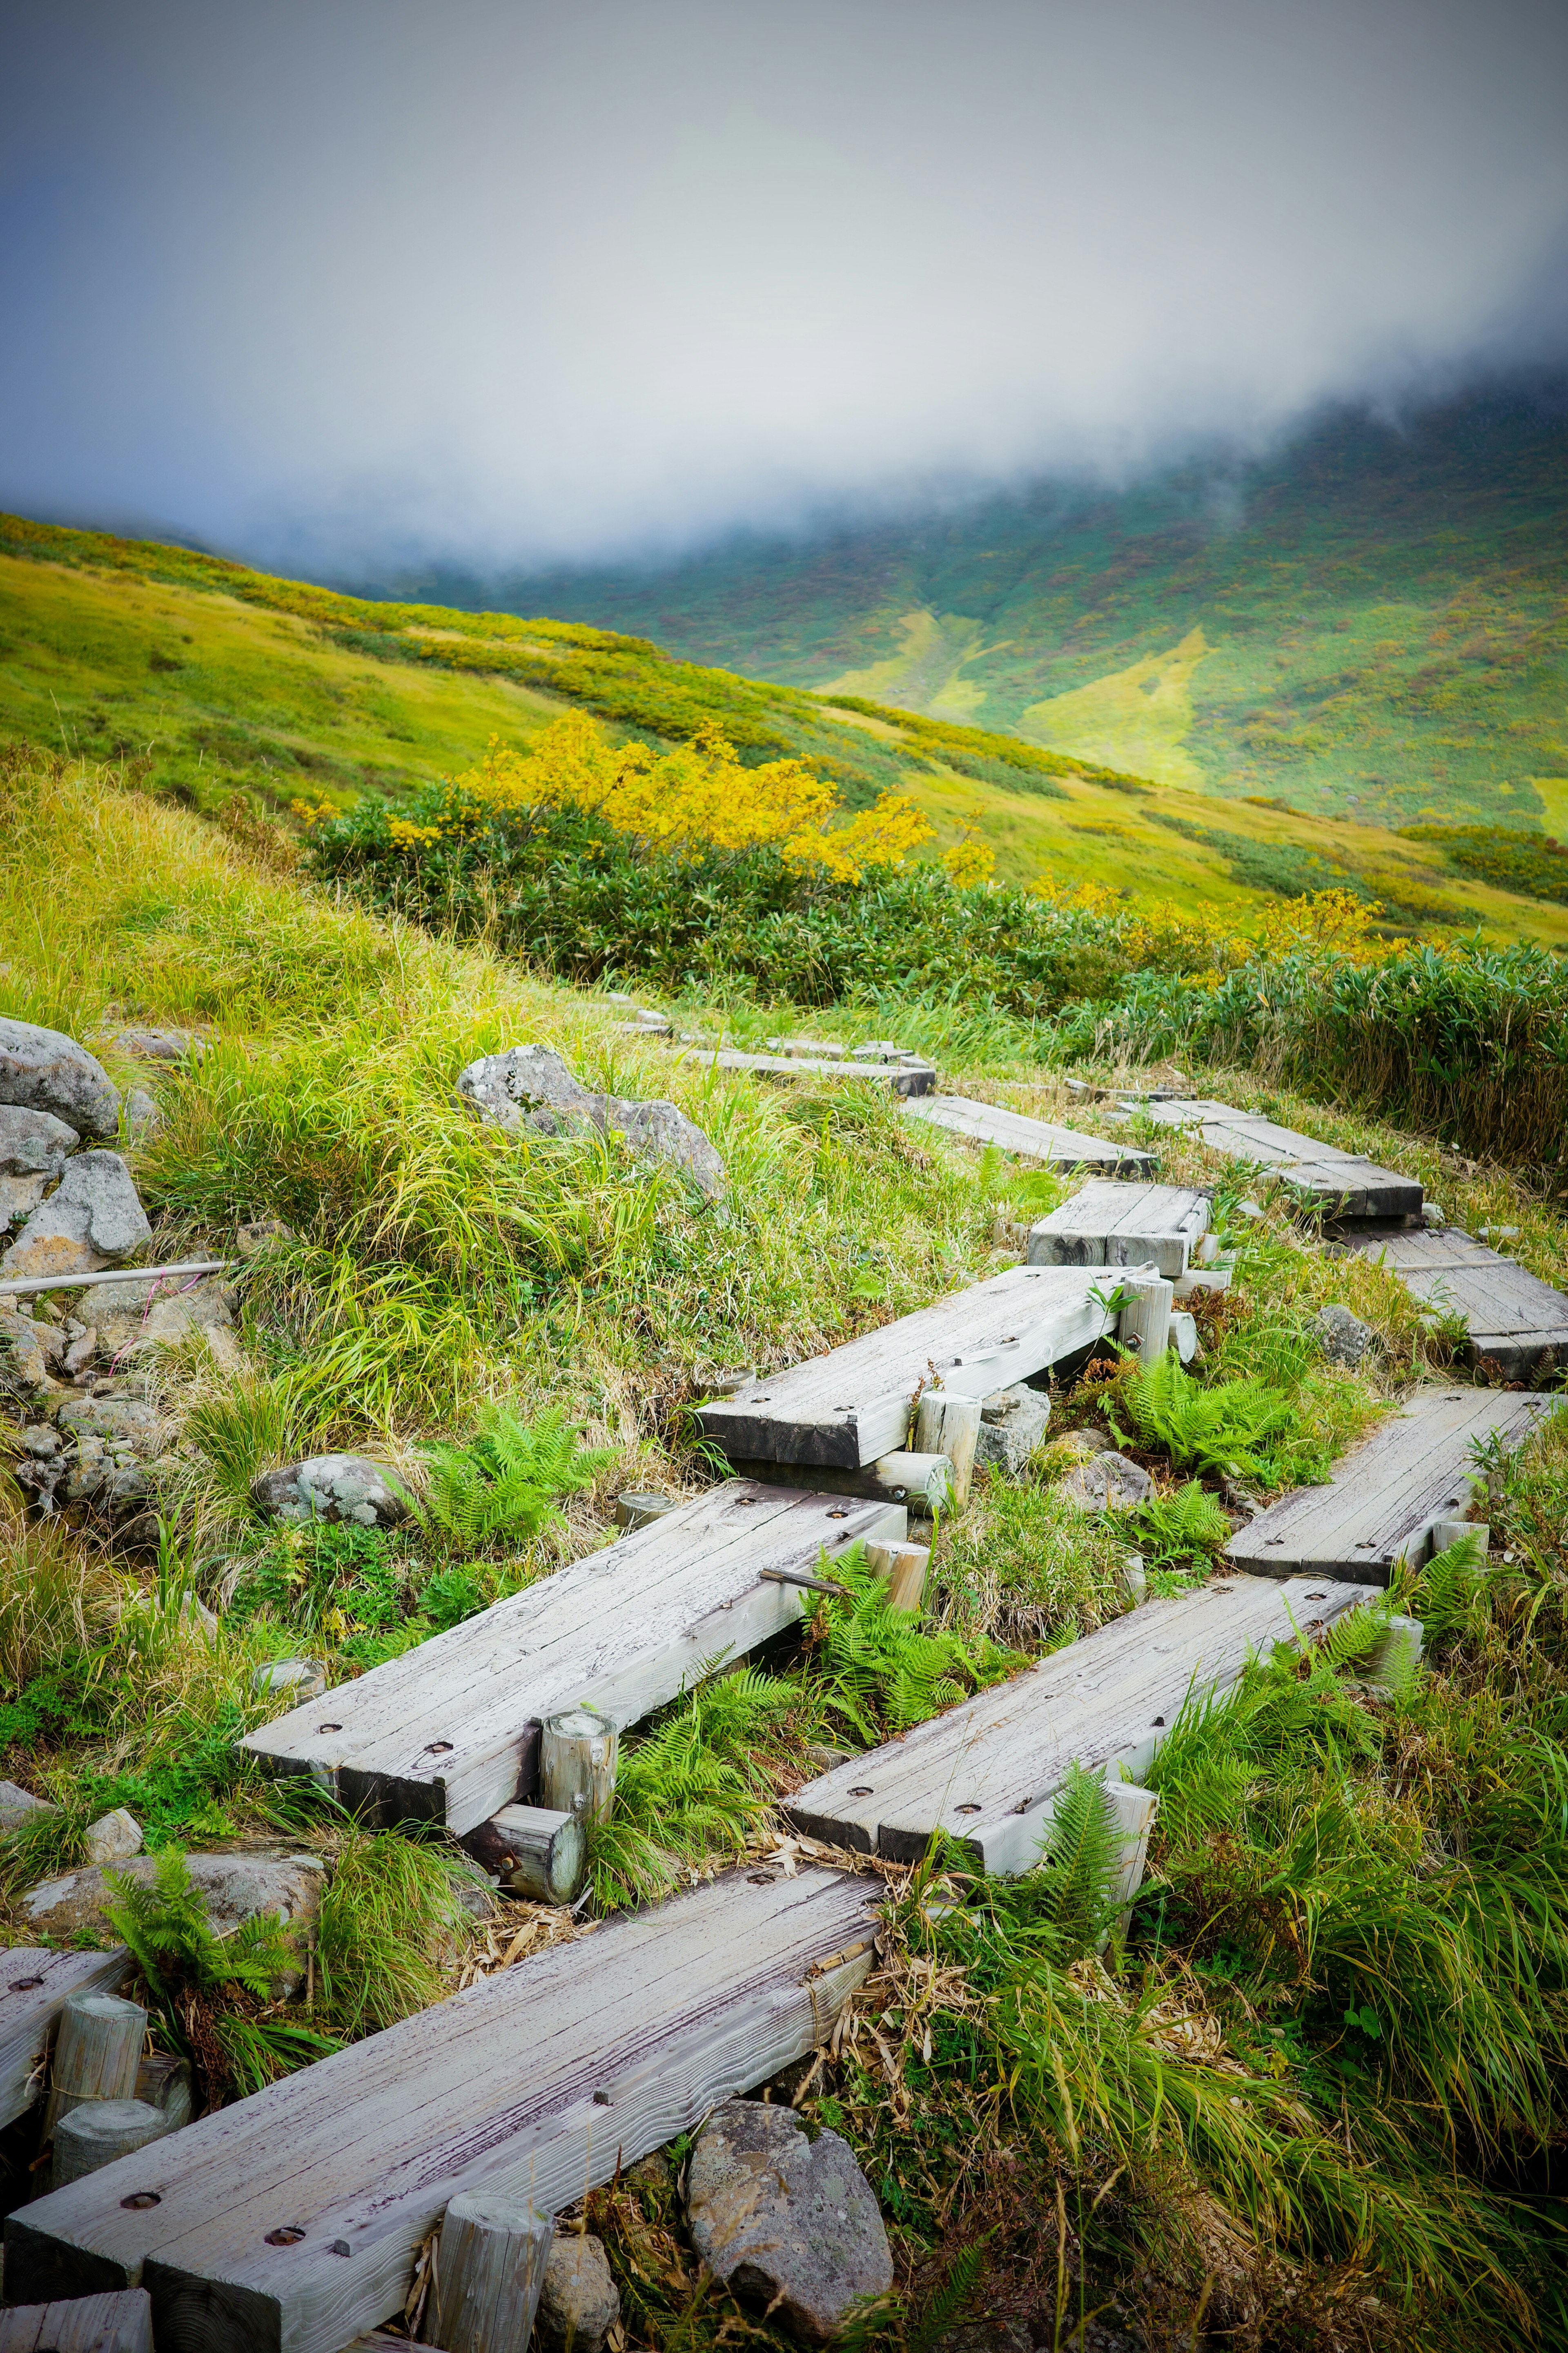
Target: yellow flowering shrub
<point x="1336" y="922"/>
<point x="969" y="861"/>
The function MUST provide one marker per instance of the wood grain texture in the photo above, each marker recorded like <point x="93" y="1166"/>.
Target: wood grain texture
<point x="536" y="2082"/>
<point x="1514" y="1318"/>
<point x="846" y="1409"/>
<point x="1346" y="1183"/>
<point x="1043" y="1140"/>
<point x="490" y="2273"/>
<point x="98" y="2050"/>
<point x="449" y="1731"/>
<point x="34" y="1986"/>
<point x="987" y="1771"/>
<point x="1123" y="1225"/>
<point x="92" y="2324"/>
<point x="1387" y="1494"/>
<point x="787" y="1070"/>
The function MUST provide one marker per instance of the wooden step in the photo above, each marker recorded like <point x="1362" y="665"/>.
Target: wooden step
<point x="847" y="1408"/>
<point x="1346" y="1184"/>
<point x="1516" y="1322"/>
<point x="987" y="1772"/>
<point x="1033" y="1139"/>
<point x="34" y="1986"/>
<point x="89" y="2324"/>
<point x="289" y="2222"/>
<point x="1123" y="1225"/>
<point x="1387" y="1494"/>
<point x="449" y="1731"/>
<point x="907" y="1078"/>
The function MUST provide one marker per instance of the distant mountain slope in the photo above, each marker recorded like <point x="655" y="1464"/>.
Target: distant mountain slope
<point x="1374" y="622"/>
<point x="227" y="687"/>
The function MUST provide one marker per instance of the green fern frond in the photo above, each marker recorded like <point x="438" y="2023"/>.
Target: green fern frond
<point x="1072" y="1882"/>
<point x="1221" y="1427"/>
<point x="503" y="1485"/>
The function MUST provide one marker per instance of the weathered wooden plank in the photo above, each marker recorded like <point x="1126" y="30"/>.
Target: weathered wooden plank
<point x="89" y="2324"/>
<point x="850" y="1406"/>
<point x="1123" y="1225"/>
<point x="786" y="1070"/>
<point x="1387" y="1494"/>
<point x="288" y="2223"/>
<point x="1053" y="1145"/>
<point x="1346" y="1184"/>
<point x="449" y="1731"/>
<point x="34" y="1986"/>
<point x="987" y="1772"/>
<point x="1515" y="1320"/>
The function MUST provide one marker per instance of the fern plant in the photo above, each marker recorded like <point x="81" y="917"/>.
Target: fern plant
<point x="1068" y="1893"/>
<point x="1226" y="1427"/>
<point x="501" y="1487"/>
<point x="1449" y="1595"/>
<point x="212" y="1993"/>
<point x="878" y="1668"/>
<point x="1182" y="1529"/>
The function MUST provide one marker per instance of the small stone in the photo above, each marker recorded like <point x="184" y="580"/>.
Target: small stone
<point x="43" y="1070"/>
<point x="137" y="1316"/>
<point x="335" y="1487"/>
<point x="579" y="2303"/>
<point x="300" y="1679"/>
<point x="785" y="2221"/>
<point x="159" y="1044"/>
<point x="113" y="1838"/>
<point x="143" y="1116"/>
<point x="531" y="1087"/>
<point x="261" y="1234"/>
<point x="1342" y="1337"/>
<point x="19" y="1809"/>
<point x="93" y="1220"/>
<point x="34" y="1143"/>
<point x="81" y="1352"/>
<point x="41" y="1442"/>
<point x="140" y="1534"/>
<point x="1107" y="1482"/>
<point x="1013" y="1421"/>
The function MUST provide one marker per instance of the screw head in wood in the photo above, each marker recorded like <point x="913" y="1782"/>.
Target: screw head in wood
<point x="437" y="1748"/>
<point x="761" y="1879"/>
<point x="329" y="1728"/>
<point x="840" y="1514"/>
<point x="860" y="1793"/>
<point x="289" y="2235"/>
<point x="1157" y="1723"/>
<point x="24" y="1985"/>
<point x="966" y="1809"/>
<point x="601" y="2099"/>
<point x="139" y="2200"/>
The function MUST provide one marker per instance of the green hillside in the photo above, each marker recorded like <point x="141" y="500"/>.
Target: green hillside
<point x="1373" y="623"/>
<point x="220" y="685"/>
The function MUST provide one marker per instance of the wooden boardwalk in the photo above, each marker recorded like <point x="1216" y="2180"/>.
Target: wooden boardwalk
<point x="1032" y="1139"/>
<point x="35" y="1986"/>
<point x="289" y="2222"/>
<point x="1387" y="1494"/>
<point x="449" y="1731"/>
<point x="1516" y="1322"/>
<point x="911" y="1078"/>
<point x="1123" y="1225"/>
<point x="1346" y="1184"/>
<point x="849" y="1408"/>
<point x="988" y="1771"/>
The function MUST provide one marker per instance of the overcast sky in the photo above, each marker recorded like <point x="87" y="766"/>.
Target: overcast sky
<point x="342" y="279"/>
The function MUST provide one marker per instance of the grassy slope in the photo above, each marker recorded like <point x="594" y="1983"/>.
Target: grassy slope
<point x="1383" y="615"/>
<point x="219" y="680"/>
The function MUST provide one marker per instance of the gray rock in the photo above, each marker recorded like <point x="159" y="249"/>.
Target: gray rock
<point x="784" y="2219"/>
<point x="43" y="1070"/>
<point x="1011" y="1423"/>
<point x="296" y="1680"/>
<point x="23" y="1365"/>
<point x="143" y="1116"/>
<point x="233" y="1888"/>
<point x="119" y="1422"/>
<point x="134" y="1317"/>
<point x="531" y="1087"/>
<point x="1107" y="1482"/>
<point x="579" y="2303"/>
<point x="40" y="1441"/>
<point x="34" y="1143"/>
<point x="1343" y="1338"/>
<point x="94" y="1218"/>
<point x="333" y="1487"/>
<point x="113" y="1838"/>
<point x="19" y="1809"/>
<point x="159" y="1044"/>
<point x="19" y="1196"/>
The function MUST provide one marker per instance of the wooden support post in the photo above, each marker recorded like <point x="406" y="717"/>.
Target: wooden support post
<point x="1398" y="1653"/>
<point x="1134" y="1809"/>
<point x="1448" y="1532"/>
<point x="100" y="2130"/>
<point x="949" y="1425"/>
<point x="922" y="1483"/>
<point x="97" y="2053"/>
<point x="1143" y="1326"/>
<point x="904" y="1567"/>
<point x="119" y="2322"/>
<point x="534" y="1851"/>
<point x="578" y="1750"/>
<point x="165" y="2082"/>
<point x="490" y="2270"/>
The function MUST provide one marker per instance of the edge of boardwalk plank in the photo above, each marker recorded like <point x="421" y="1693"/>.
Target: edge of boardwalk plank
<point x="1515" y="1320"/>
<point x="544" y="2076"/>
<point x="35" y="1986"/>
<point x="986" y="1772"/>
<point x="1047" y="1141"/>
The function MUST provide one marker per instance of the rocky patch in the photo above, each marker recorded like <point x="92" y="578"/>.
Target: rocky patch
<point x="92" y="1220"/>
<point x="786" y="2221"/>
<point x="1107" y="1482"/>
<point x="1013" y="1421"/>
<point x="233" y="1888"/>
<point x="531" y="1087"/>
<point x="45" y="1071"/>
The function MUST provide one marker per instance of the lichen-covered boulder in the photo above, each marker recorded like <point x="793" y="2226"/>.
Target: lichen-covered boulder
<point x="661" y="1131"/>
<point x="92" y="1220"/>
<point x="43" y="1070"/>
<point x="1107" y="1482"/>
<point x="337" y="1487"/>
<point x="1343" y="1338"/>
<point x="784" y="2220"/>
<point x="531" y="1087"/>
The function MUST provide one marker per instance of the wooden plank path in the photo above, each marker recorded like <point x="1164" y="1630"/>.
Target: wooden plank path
<point x="289" y="2222"/>
<point x="847" y="1408"/>
<point x="987" y="1772"/>
<point x="35" y="1986"/>
<point x="1033" y="1139"/>
<point x="1123" y="1225"/>
<point x="1514" y="1319"/>
<point x="902" y="1077"/>
<point x="1346" y="1183"/>
<point x="1387" y="1494"/>
<point x="449" y="1731"/>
